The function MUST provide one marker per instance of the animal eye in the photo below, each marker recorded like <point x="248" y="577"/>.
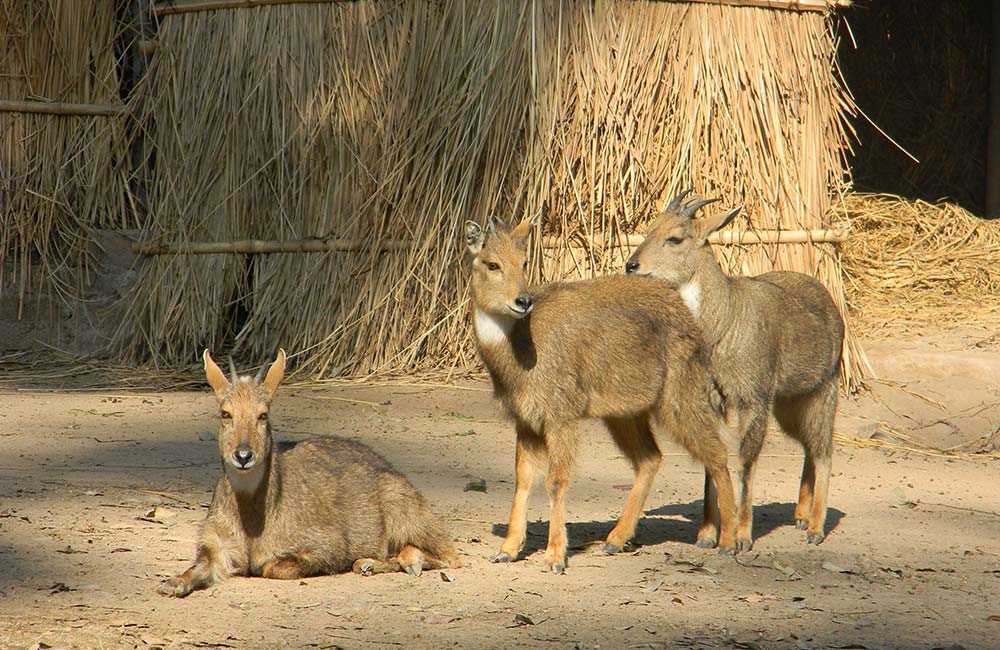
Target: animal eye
<point x="493" y="266"/>
<point x="673" y="240"/>
<point x="226" y="415"/>
<point x="262" y="417"/>
<point x="525" y="266"/>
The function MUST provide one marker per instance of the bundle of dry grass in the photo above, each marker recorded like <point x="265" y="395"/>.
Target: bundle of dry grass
<point x="378" y="123"/>
<point x="915" y="261"/>
<point x="60" y="170"/>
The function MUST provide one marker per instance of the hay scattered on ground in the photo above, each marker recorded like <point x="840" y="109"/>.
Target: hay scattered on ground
<point x="914" y="261"/>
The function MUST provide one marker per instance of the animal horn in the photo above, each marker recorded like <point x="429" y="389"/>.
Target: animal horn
<point x="232" y="370"/>
<point x="260" y="373"/>
<point x="688" y="210"/>
<point x="676" y="202"/>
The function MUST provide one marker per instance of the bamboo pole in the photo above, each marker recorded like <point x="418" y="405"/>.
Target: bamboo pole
<point x="788" y="5"/>
<point x="191" y="6"/>
<point x="261" y="246"/>
<point x="59" y="108"/>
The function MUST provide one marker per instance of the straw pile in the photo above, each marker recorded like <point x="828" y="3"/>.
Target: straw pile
<point x="914" y="261"/>
<point x="382" y="122"/>
<point x="60" y="174"/>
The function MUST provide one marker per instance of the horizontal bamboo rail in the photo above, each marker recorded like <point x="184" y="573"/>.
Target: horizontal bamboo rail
<point x="190" y="6"/>
<point x="59" y="108"/>
<point x="263" y="246"/>
<point x="787" y="5"/>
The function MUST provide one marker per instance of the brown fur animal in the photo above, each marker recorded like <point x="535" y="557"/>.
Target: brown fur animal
<point x="621" y="349"/>
<point x="775" y="344"/>
<point x="317" y="507"/>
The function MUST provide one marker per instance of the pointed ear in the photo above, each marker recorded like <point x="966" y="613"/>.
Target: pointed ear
<point x="213" y="373"/>
<point x="718" y="221"/>
<point x="474" y="237"/>
<point x="521" y="231"/>
<point x="274" y="374"/>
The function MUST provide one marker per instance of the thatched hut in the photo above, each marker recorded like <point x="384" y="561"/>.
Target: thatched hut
<point x="313" y="161"/>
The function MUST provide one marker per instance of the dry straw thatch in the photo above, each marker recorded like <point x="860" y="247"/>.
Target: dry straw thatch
<point x="60" y="172"/>
<point x="910" y="260"/>
<point x="377" y="122"/>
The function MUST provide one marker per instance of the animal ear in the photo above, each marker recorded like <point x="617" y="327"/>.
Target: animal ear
<point x="474" y="237"/>
<point x="274" y="374"/>
<point x="213" y="373"/>
<point x="716" y="222"/>
<point x="521" y="231"/>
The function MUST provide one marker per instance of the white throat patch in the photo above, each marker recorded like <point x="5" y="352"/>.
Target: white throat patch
<point x="244" y="481"/>
<point x="691" y="294"/>
<point x="492" y="329"/>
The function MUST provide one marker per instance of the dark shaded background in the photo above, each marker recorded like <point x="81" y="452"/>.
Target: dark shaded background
<point x="921" y="72"/>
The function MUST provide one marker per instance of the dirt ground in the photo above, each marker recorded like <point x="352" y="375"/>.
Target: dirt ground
<point x="101" y="494"/>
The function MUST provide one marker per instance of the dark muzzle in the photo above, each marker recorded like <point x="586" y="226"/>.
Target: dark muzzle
<point x="243" y="456"/>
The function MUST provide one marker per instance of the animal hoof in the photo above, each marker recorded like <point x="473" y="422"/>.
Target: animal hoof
<point x="609" y="549"/>
<point x="501" y="558"/>
<point x="557" y="568"/>
<point x="802" y="524"/>
<point x="174" y="588"/>
<point x="364" y="567"/>
<point x="815" y="538"/>
<point x="744" y="545"/>
<point x="727" y="550"/>
<point x="705" y="543"/>
<point x="415" y="570"/>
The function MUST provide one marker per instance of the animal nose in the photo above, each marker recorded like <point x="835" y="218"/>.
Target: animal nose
<point x="631" y="266"/>
<point x="523" y="302"/>
<point x="243" y="456"/>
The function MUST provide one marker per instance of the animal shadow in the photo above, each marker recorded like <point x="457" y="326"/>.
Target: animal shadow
<point x="670" y="523"/>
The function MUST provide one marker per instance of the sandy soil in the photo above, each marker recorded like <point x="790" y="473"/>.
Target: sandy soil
<point x="101" y="495"/>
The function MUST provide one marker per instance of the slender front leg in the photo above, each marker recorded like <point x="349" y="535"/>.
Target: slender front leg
<point x="217" y="558"/>
<point x="804" y="506"/>
<point x="529" y="449"/>
<point x="719" y="473"/>
<point x="700" y="433"/>
<point x="708" y="534"/>
<point x="753" y="429"/>
<point x="636" y="441"/>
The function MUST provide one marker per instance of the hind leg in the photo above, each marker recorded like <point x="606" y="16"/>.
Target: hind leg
<point x="804" y="505"/>
<point x="560" y="444"/>
<point x="809" y="419"/>
<point x="636" y="441"/>
<point x="292" y="566"/>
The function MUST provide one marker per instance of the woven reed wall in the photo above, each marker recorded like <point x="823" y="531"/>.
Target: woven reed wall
<point x="61" y="175"/>
<point x="375" y="122"/>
